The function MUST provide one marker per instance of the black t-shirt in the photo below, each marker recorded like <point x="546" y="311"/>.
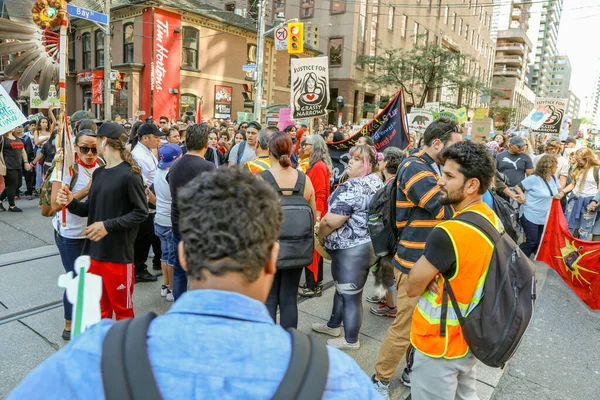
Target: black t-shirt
<point x="182" y="172"/>
<point x="116" y="198"/>
<point x="49" y="151"/>
<point x="513" y="166"/>
<point x="439" y="251"/>
<point x="12" y="149"/>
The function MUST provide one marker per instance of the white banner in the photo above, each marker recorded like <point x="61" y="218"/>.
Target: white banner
<point x="36" y="102"/>
<point x="310" y="87"/>
<point x="546" y="116"/>
<point x="10" y="115"/>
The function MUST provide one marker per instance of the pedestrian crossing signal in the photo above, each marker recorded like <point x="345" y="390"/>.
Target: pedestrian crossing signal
<point x="295" y="37"/>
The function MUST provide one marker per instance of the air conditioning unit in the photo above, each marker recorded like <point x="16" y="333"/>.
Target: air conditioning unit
<point x="238" y="11"/>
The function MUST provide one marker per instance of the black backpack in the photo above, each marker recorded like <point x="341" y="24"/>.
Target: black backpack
<point x="382" y="220"/>
<point x="296" y="235"/>
<point x="508" y="216"/>
<point x="127" y="372"/>
<point x="494" y="328"/>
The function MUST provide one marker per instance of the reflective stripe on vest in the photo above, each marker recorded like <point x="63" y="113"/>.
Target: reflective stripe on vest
<point x="469" y="248"/>
<point x="257" y="166"/>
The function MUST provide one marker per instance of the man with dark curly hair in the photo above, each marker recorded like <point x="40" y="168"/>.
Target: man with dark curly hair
<point x="218" y="340"/>
<point x="444" y="367"/>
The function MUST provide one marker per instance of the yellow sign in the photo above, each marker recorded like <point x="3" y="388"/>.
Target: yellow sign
<point x="480" y="113"/>
<point x="461" y="115"/>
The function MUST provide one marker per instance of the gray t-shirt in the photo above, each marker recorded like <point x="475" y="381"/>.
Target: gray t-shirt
<point x="513" y="166"/>
<point x="249" y="154"/>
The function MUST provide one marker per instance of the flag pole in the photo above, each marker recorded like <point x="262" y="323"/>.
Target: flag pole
<point x="62" y="84"/>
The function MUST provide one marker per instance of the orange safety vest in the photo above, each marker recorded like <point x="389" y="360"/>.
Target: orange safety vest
<point x="259" y="164"/>
<point x="304" y="163"/>
<point x="473" y="251"/>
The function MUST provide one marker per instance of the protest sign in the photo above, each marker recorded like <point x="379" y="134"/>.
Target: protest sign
<point x="480" y="113"/>
<point x="433" y="106"/>
<point x="420" y="119"/>
<point x="10" y="115"/>
<point x="285" y="118"/>
<point x="481" y="129"/>
<point x="36" y="102"/>
<point x="554" y="118"/>
<point x="310" y="87"/>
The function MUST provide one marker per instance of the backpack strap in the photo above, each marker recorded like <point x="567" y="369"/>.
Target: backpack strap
<point x="300" y="183"/>
<point x="306" y="376"/>
<point x="270" y="179"/>
<point x="240" y="152"/>
<point x="125" y="365"/>
<point x="482" y="224"/>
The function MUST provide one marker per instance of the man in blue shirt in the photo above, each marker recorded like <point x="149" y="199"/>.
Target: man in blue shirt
<point x="218" y="340"/>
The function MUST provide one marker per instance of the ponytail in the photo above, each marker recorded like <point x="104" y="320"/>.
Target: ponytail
<point x="119" y="144"/>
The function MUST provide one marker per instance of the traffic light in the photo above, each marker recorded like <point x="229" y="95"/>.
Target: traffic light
<point x="295" y="37"/>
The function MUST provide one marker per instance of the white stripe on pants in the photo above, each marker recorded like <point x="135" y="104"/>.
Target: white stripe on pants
<point x="442" y="378"/>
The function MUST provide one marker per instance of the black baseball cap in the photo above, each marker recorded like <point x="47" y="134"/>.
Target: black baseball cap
<point x="149" y="129"/>
<point x="255" y="125"/>
<point x="111" y="130"/>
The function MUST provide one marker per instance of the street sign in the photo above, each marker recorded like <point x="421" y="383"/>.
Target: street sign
<point x="281" y="42"/>
<point x="87" y="14"/>
<point x="249" y="67"/>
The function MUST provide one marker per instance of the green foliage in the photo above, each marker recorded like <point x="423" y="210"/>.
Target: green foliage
<point x="425" y="66"/>
<point x="501" y="115"/>
<point x="368" y="107"/>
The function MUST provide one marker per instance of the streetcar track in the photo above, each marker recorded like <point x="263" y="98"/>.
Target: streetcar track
<point x="56" y="304"/>
<point x="34" y="258"/>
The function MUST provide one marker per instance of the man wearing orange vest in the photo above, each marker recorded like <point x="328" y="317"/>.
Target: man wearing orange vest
<point x="444" y="367"/>
<point x="262" y="161"/>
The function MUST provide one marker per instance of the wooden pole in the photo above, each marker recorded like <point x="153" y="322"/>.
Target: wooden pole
<point x="62" y="85"/>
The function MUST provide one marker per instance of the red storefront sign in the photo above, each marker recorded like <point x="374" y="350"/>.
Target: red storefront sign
<point x="97" y="91"/>
<point x="162" y="52"/>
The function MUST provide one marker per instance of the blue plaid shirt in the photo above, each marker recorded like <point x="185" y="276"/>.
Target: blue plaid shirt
<point x="210" y="344"/>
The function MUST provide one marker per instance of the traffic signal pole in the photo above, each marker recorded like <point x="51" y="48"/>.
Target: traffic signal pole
<point x="260" y="53"/>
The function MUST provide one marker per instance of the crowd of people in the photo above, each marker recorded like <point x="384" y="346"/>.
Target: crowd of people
<point x="134" y="194"/>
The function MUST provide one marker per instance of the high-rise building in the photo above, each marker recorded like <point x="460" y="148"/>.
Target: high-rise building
<point x="573" y="105"/>
<point x="560" y="80"/>
<point x="349" y="29"/>
<point x="540" y="71"/>
<point x="509" y="84"/>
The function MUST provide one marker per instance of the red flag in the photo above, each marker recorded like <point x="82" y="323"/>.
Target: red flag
<point x="576" y="261"/>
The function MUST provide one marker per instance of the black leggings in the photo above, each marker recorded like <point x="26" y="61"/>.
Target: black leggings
<point x="11" y="180"/>
<point x="141" y="247"/>
<point x="284" y="293"/>
<point x="350" y="268"/>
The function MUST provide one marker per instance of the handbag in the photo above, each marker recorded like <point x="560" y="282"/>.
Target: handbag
<point x="2" y="163"/>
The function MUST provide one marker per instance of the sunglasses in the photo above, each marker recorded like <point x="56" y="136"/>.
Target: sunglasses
<point x="86" y="150"/>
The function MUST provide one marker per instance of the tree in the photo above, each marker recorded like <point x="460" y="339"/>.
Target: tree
<point x="502" y="116"/>
<point x="424" y="67"/>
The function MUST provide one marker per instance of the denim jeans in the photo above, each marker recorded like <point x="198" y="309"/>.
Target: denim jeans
<point x="167" y="247"/>
<point x="69" y="250"/>
<point x="180" y="280"/>
<point x="533" y="236"/>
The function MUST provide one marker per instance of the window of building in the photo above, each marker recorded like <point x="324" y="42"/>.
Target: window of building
<point x="189" y="43"/>
<point x="425" y="37"/>
<point x="128" y="43"/>
<point x="403" y="26"/>
<point x="467" y="32"/>
<point x="86" y="49"/>
<point x="485" y="18"/>
<point x="362" y="21"/>
<point x="453" y="21"/>
<point x="415" y="32"/>
<point x="278" y="7"/>
<point x="229" y="7"/>
<point x="71" y="39"/>
<point x="429" y="4"/>
<point x="336" y="51"/>
<point x="307" y="8"/>
<point x="338" y="6"/>
<point x="474" y="7"/>
<point x="439" y="8"/>
<point x="446" y="13"/>
<point x="99" y="47"/>
<point x="472" y="36"/>
<point x="187" y="103"/>
<point x="477" y="43"/>
<point x="391" y="14"/>
<point x="460" y="26"/>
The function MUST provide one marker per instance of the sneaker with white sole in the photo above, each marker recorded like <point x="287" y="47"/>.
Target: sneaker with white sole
<point x="163" y="290"/>
<point x="342" y="344"/>
<point x="405" y="378"/>
<point x="383" y="388"/>
<point x="374" y="299"/>
<point x="169" y="296"/>
<point x="384" y="311"/>
<point x="323" y="328"/>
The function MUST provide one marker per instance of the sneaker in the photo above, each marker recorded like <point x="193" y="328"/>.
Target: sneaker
<point x="145" y="276"/>
<point x="17" y="197"/>
<point x="384" y="311"/>
<point x="382" y="387"/>
<point x="14" y="209"/>
<point x="323" y="328"/>
<point x="156" y="267"/>
<point x="170" y="297"/>
<point x="405" y="378"/>
<point x="163" y="290"/>
<point x="29" y="198"/>
<point x="374" y="299"/>
<point x="66" y="335"/>
<point x="342" y="344"/>
<point x="2" y="207"/>
<point x="307" y="292"/>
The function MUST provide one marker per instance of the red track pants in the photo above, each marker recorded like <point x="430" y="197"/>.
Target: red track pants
<point x="117" y="288"/>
